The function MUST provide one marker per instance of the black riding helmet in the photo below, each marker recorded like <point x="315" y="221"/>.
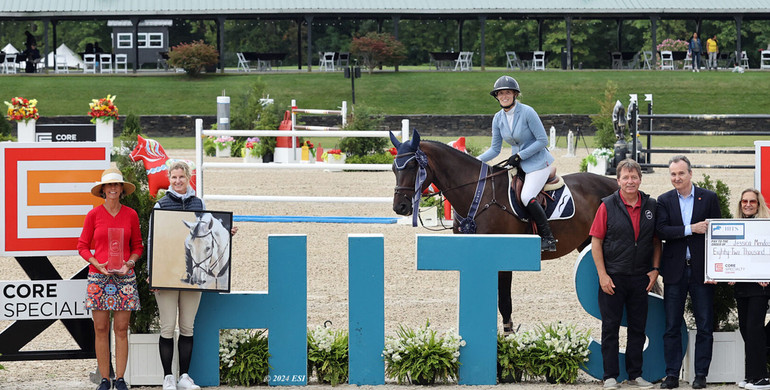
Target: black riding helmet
<point x="505" y="82"/>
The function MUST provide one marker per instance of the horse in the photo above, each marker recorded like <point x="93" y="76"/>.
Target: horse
<point x="156" y="163"/>
<point x="456" y="175"/>
<point x="207" y="250"/>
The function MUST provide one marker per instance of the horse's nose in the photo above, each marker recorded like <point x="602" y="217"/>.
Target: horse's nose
<point x="402" y="208"/>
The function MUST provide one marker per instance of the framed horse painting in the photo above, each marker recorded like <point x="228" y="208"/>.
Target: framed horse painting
<point x="190" y="250"/>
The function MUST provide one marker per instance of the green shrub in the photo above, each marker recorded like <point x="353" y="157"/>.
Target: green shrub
<point x="378" y="158"/>
<point x="6" y="130"/>
<point x="131" y="127"/>
<point x="243" y="357"/>
<point x="249" y="113"/>
<point x="605" y="132"/>
<point x="364" y="118"/>
<point x="145" y="319"/>
<point x="193" y="57"/>
<point x="327" y="354"/>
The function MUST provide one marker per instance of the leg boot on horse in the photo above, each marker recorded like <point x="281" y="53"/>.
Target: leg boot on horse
<point x="547" y="242"/>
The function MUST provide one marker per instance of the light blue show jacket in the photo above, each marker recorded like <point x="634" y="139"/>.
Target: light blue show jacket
<point x="527" y="138"/>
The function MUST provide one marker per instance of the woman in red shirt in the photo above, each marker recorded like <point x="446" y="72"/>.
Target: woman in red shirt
<point x="113" y="231"/>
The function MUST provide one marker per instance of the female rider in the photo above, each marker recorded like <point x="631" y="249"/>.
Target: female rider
<point x="520" y="126"/>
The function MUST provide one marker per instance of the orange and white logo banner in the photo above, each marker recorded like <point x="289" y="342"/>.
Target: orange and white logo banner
<point x="46" y="195"/>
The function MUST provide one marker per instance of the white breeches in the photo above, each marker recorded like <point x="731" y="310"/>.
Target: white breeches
<point x="533" y="183"/>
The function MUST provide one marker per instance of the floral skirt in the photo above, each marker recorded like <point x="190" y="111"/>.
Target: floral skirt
<point x="112" y="292"/>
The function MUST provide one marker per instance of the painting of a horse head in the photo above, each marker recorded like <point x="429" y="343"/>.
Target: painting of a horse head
<point x="207" y="252"/>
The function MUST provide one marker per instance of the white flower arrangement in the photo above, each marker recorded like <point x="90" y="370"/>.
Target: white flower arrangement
<point x="559" y="352"/>
<point x="327" y="353"/>
<point x="243" y="356"/>
<point x="422" y="355"/>
<point x="603" y="153"/>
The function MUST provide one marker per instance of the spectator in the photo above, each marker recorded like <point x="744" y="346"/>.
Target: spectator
<point x="713" y="49"/>
<point x="695" y="49"/>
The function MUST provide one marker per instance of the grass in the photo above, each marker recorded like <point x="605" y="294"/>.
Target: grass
<point x="399" y="93"/>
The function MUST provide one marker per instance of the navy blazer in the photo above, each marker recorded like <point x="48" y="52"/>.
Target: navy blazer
<point x="670" y="228"/>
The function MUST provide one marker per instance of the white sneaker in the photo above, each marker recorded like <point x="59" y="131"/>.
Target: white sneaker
<point x="169" y="383"/>
<point x="742" y="384"/>
<point x="611" y="383"/>
<point x="639" y="383"/>
<point x="762" y="384"/>
<point x="186" y="383"/>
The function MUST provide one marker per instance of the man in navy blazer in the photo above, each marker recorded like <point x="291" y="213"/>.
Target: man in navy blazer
<point x="681" y="222"/>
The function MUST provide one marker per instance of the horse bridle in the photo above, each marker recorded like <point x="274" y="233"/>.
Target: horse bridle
<point x="422" y="160"/>
<point x="209" y="257"/>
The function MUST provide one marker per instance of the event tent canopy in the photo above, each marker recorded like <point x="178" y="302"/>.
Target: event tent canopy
<point x="9" y="49"/>
<point x="73" y="60"/>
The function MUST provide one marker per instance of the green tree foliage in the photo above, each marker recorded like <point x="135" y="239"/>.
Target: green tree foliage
<point x="374" y="49"/>
<point x="248" y="113"/>
<point x="6" y="129"/>
<point x="364" y="118"/>
<point x="605" y="132"/>
<point x="193" y="57"/>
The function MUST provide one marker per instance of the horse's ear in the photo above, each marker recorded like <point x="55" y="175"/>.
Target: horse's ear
<point x="189" y="224"/>
<point x="415" y="138"/>
<point x="139" y="138"/>
<point x="394" y="140"/>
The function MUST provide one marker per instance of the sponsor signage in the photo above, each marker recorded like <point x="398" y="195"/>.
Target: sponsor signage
<point x="738" y="250"/>
<point x="65" y="133"/>
<point x="43" y="299"/>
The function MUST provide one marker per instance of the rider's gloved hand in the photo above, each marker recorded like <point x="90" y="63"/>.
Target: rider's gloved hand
<point x="514" y="161"/>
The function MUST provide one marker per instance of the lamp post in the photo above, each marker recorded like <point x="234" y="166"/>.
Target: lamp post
<point x="353" y="73"/>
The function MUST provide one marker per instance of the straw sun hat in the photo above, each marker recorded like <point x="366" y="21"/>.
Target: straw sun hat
<point x="112" y="175"/>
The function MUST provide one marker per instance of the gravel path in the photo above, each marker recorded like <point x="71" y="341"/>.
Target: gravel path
<point x="411" y="296"/>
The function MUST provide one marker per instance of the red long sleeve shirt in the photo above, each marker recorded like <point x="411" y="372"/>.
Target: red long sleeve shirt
<point x="96" y="229"/>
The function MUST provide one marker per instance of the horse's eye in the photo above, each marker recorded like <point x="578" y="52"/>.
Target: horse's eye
<point x="208" y="247"/>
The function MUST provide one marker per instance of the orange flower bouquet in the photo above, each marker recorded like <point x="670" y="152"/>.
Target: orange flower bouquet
<point x="21" y="109"/>
<point x="103" y="109"/>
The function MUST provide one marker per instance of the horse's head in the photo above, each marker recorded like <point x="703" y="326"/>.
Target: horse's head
<point x="410" y="167"/>
<point x="150" y="151"/>
<point x="199" y="248"/>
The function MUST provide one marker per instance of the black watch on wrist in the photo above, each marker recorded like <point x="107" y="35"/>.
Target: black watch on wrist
<point x="656" y="269"/>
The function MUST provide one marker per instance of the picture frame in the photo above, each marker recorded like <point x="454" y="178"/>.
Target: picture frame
<point x="190" y="250"/>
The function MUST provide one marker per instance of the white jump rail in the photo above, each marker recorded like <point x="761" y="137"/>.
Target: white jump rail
<point x="294" y="110"/>
<point x="200" y="165"/>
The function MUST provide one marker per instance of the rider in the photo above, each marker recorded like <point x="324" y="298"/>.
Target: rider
<point x="520" y="126"/>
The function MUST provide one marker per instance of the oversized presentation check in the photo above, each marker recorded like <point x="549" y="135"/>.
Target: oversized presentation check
<point x="738" y="250"/>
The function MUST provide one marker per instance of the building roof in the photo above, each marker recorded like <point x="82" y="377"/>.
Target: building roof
<point x="84" y="9"/>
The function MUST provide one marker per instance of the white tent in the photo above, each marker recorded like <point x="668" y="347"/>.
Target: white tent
<point x="73" y="60"/>
<point x="9" y="49"/>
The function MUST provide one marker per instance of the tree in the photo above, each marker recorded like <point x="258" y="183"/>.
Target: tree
<point x="193" y="57"/>
<point x="375" y="49"/>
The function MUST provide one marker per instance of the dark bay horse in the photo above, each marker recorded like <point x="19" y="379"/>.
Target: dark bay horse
<point x="456" y="174"/>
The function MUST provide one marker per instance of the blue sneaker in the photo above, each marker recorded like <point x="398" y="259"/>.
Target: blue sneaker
<point x="120" y="384"/>
<point x="104" y="384"/>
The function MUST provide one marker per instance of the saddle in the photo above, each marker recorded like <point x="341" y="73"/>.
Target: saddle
<point x="555" y="197"/>
<point x="554" y="182"/>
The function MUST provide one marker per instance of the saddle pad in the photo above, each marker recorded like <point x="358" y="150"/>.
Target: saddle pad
<point x="561" y="207"/>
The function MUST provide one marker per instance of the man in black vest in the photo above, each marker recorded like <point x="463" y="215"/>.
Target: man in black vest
<point x="627" y="256"/>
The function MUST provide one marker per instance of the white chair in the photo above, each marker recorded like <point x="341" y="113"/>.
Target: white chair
<point x="538" y="60"/>
<point x="764" y="60"/>
<point x="463" y="61"/>
<point x="9" y="64"/>
<point x="666" y="60"/>
<point x="89" y="63"/>
<point x="687" y="61"/>
<point x="633" y="63"/>
<point x="617" y="60"/>
<point x="121" y="63"/>
<point x="243" y="63"/>
<point x="105" y="63"/>
<point x="61" y="64"/>
<point x="326" y="61"/>
<point x="513" y="60"/>
<point x="744" y="61"/>
<point x="647" y="59"/>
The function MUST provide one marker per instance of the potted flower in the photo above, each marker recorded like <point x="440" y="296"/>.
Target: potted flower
<point x="334" y="156"/>
<point x="327" y="354"/>
<point x="422" y="356"/>
<point x="558" y="352"/>
<point x="252" y="151"/>
<point x="243" y="357"/>
<point x="598" y="161"/>
<point x="224" y="145"/>
<point x="21" y="109"/>
<point x="24" y="112"/>
<point x="512" y="353"/>
<point x="103" y="109"/>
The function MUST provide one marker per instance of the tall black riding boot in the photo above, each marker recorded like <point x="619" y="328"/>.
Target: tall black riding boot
<point x="547" y="242"/>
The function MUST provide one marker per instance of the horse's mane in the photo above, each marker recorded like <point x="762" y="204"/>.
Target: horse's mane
<point x="465" y="157"/>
